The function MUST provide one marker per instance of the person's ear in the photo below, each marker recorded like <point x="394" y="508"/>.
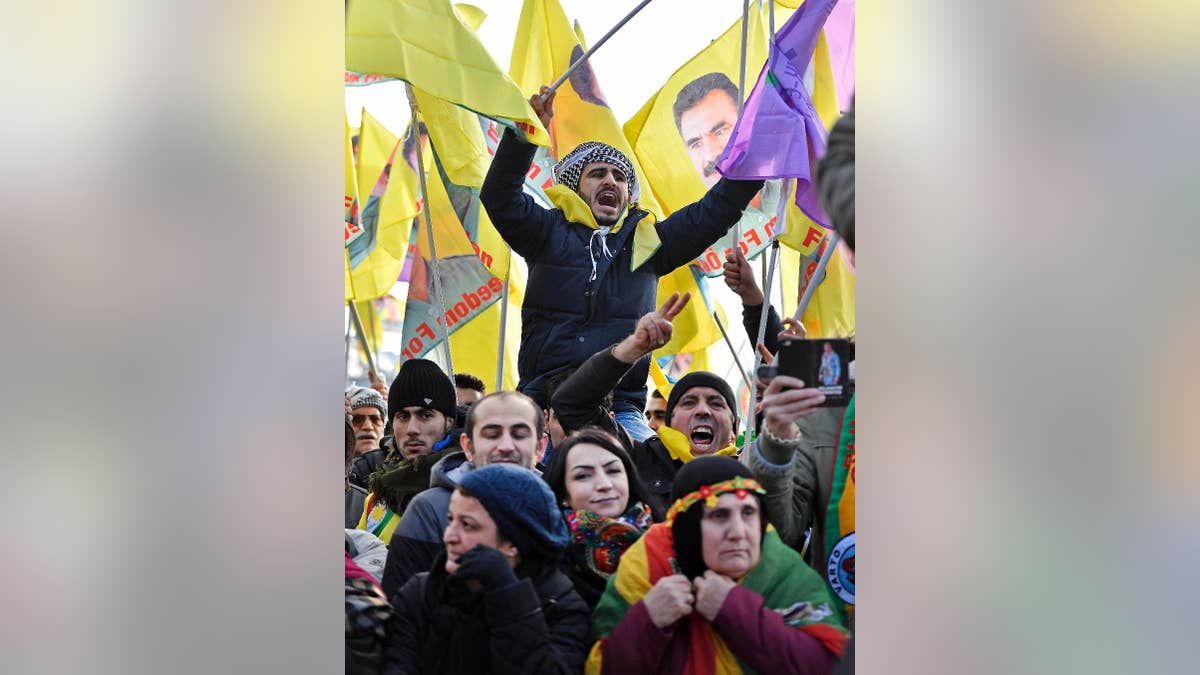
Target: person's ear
<point x="464" y="442"/>
<point x="509" y="551"/>
<point x="541" y="449"/>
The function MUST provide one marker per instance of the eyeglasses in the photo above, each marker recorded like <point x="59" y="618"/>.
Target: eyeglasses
<point x="357" y="419"/>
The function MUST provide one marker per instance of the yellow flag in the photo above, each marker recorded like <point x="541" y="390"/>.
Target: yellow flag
<point x="682" y="129"/>
<point x="463" y="158"/>
<point x="429" y="45"/>
<point x="545" y="47"/>
<point x="474" y="347"/>
<point x="377" y="241"/>
<point x="830" y="312"/>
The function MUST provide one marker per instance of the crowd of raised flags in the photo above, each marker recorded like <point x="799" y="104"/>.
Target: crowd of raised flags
<point x="412" y="209"/>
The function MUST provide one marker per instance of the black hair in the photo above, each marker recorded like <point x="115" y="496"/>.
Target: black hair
<point x="473" y="411"/>
<point x="583" y="80"/>
<point x="469" y="381"/>
<point x="655" y="393"/>
<point x="695" y="91"/>
<point x="556" y="474"/>
<point x="706" y="470"/>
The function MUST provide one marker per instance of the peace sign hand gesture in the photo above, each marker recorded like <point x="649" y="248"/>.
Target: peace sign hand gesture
<point x="653" y="330"/>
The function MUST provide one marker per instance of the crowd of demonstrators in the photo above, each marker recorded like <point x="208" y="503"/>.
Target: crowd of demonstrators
<point x="504" y="427"/>
<point x="594" y="260"/>
<point x="643" y="541"/>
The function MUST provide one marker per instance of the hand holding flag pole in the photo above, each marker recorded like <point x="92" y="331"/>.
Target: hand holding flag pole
<point x="586" y="55"/>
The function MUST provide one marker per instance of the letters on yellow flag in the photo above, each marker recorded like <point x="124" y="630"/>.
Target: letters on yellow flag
<point x="429" y="45"/>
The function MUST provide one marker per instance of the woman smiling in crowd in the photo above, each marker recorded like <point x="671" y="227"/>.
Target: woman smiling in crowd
<point x="605" y="506"/>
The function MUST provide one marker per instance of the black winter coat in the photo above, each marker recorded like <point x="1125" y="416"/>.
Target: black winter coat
<point x="537" y="625"/>
<point x="565" y="317"/>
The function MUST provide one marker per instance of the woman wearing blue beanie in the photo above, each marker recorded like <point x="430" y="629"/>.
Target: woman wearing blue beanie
<point x="495" y="600"/>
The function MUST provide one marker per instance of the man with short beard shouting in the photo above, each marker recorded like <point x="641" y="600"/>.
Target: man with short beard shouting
<point x="595" y="259"/>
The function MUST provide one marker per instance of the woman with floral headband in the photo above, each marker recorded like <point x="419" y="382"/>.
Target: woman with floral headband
<point x="712" y="590"/>
<point x="605" y="505"/>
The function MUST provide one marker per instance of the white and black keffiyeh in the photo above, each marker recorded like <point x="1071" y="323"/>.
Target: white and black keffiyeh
<point x="569" y="169"/>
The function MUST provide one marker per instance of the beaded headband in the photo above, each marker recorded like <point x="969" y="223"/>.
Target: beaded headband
<point x="739" y="485"/>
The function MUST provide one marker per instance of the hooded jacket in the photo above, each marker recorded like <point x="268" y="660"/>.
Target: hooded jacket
<point x="417" y="538"/>
<point x="566" y="317"/>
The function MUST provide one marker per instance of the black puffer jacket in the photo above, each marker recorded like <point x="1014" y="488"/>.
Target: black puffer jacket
<point x="537" y="625"/>
<point x="565" y="317"/>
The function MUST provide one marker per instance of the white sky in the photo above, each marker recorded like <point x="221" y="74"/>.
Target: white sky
<point x="631" y="66"/>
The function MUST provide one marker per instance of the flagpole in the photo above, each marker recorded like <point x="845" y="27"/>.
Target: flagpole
<point x="503" y="326"/>
<point x="742" y="69"/>
<point x="586" y="55"/>
<point x="437" y="277"/>
<point x="818" y="275"/>
<point x="346" y="363"/>
<point x="732" y="351"/>
<point x="378" y="339"/>
<point x="362" y="336"/>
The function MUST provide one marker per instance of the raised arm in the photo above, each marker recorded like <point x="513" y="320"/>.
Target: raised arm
<point x="579" y="400"/>
<point x="688" y="231"/>
<point x="517" y="217"/>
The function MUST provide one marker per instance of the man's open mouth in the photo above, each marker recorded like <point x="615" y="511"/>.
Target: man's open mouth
<point x="608" y="198"/>
<point x="702" y="434"/>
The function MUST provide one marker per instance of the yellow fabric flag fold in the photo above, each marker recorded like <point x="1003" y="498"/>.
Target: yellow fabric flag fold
<point x="429" y="45"/>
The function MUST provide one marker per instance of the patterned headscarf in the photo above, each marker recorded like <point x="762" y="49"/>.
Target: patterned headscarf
<point x="569" y="169"/>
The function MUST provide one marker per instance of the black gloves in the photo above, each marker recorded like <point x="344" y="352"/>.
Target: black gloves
<point x="487" y="566"/>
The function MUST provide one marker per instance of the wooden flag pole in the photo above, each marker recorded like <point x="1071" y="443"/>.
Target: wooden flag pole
<point x="437" y="277"/>
<point x="586" y="55"/>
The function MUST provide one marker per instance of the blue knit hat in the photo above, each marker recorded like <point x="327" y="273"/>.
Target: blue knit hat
<point x="523" y="507"/>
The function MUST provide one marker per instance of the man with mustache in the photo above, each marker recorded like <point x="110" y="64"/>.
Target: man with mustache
<point x="595" y="259"/>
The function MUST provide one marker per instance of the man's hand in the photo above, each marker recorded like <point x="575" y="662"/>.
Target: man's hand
<point x="653" y="330"/>
<point x="784" y="401"/>
<point x="739" y="277"/>
<point x="711" y="591"/>
<point x="377" y="383"/>
<point x="544" y="109"/>
<point x="792" y="329"/>
<point x="669" y="600"/>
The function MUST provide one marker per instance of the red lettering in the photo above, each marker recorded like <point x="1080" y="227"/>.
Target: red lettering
<point x="770" y="227"/>
<point x="745" y="249"/>
<point x="461" y="310"/>
<point x="484" y="293"/>
<point x="492" y="133"/>
<point x="752" y="235"/>
<point x="423" y="329"/>
<point x="548" y="184"/>
<point x="713" y="260"/>
<point x="414" y="346"/>
<point x="495" y="285"/>
<point x="534" y="170"/>
<point x="814" y="235"/>
<point x="472" y="300"/>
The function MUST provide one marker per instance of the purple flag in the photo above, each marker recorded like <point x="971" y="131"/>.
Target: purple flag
<point x="778" y="134"/>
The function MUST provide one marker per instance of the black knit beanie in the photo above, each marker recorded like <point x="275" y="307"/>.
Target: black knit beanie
<point x="706" y="470"/>
<point x="701" y="378"/>
<point x="421" y="382"/>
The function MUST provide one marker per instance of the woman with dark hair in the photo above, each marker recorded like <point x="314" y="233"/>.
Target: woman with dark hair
<point x="713" y="590"/>
<point x="604" y="504"/>
<point x="495" y="600"/>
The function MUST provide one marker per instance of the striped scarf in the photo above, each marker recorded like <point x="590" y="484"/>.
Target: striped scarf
<point x="786" y="584"/>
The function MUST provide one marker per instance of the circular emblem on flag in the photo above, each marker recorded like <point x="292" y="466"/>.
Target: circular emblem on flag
<point x="840" y="569"/>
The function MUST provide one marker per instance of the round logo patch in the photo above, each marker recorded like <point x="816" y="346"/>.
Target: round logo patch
<point x="840" y="569"/>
